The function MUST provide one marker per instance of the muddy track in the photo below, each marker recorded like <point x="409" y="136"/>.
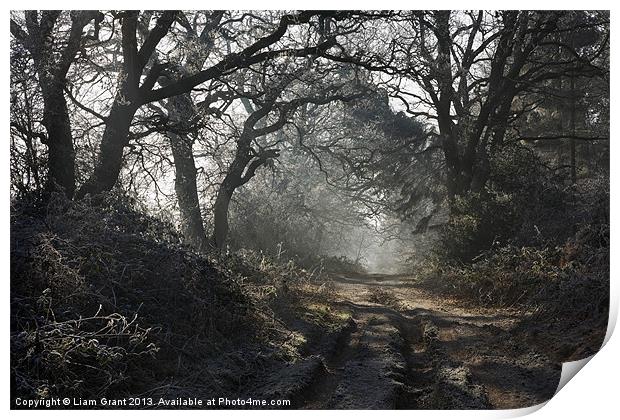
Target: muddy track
<point x="329" y="376"/>
<point x="405" y="350"/>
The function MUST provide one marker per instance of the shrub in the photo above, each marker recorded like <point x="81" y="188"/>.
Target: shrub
<point x="563" y="283"/>
<point x="525" y="203"/>
<point x="478" y="221"/>
<point x="106" y="299"/>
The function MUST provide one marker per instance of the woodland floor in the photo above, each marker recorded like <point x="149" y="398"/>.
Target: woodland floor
<point x="404" y="347"/>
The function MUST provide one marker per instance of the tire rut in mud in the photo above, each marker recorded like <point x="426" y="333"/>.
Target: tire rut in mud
<point x="366" y="371"/>
<point x="391" y="360"/>
<point x="325" y="380"/>
<point x="418" y="378"/>
<point x="372" y="378"/>
<point x="391" y="355"/>
<point x="445" y="383"/>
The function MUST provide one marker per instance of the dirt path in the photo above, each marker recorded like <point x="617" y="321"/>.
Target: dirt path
<point x="407" y="349"/>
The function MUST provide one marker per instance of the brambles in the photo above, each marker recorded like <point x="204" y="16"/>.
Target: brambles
<point x="107" y="301"/>
<point x="85" y="357"/>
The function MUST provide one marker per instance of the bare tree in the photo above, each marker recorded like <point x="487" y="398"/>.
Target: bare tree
<point x="52" y="63"/>
<point x="463" y="71"/>
<point x="135" y="91"/>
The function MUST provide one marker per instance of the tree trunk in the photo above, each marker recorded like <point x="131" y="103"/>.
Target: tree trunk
<point x="187" y="191"/>
<point x="115" y="138"/>
<point x="235" y="178"/>
<point x="454" y="176"/>
<point x="220" y="216"/>
<point x="443" y="104"/>
<point x="61" y="153"/>
<point x="180" y="112"/>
